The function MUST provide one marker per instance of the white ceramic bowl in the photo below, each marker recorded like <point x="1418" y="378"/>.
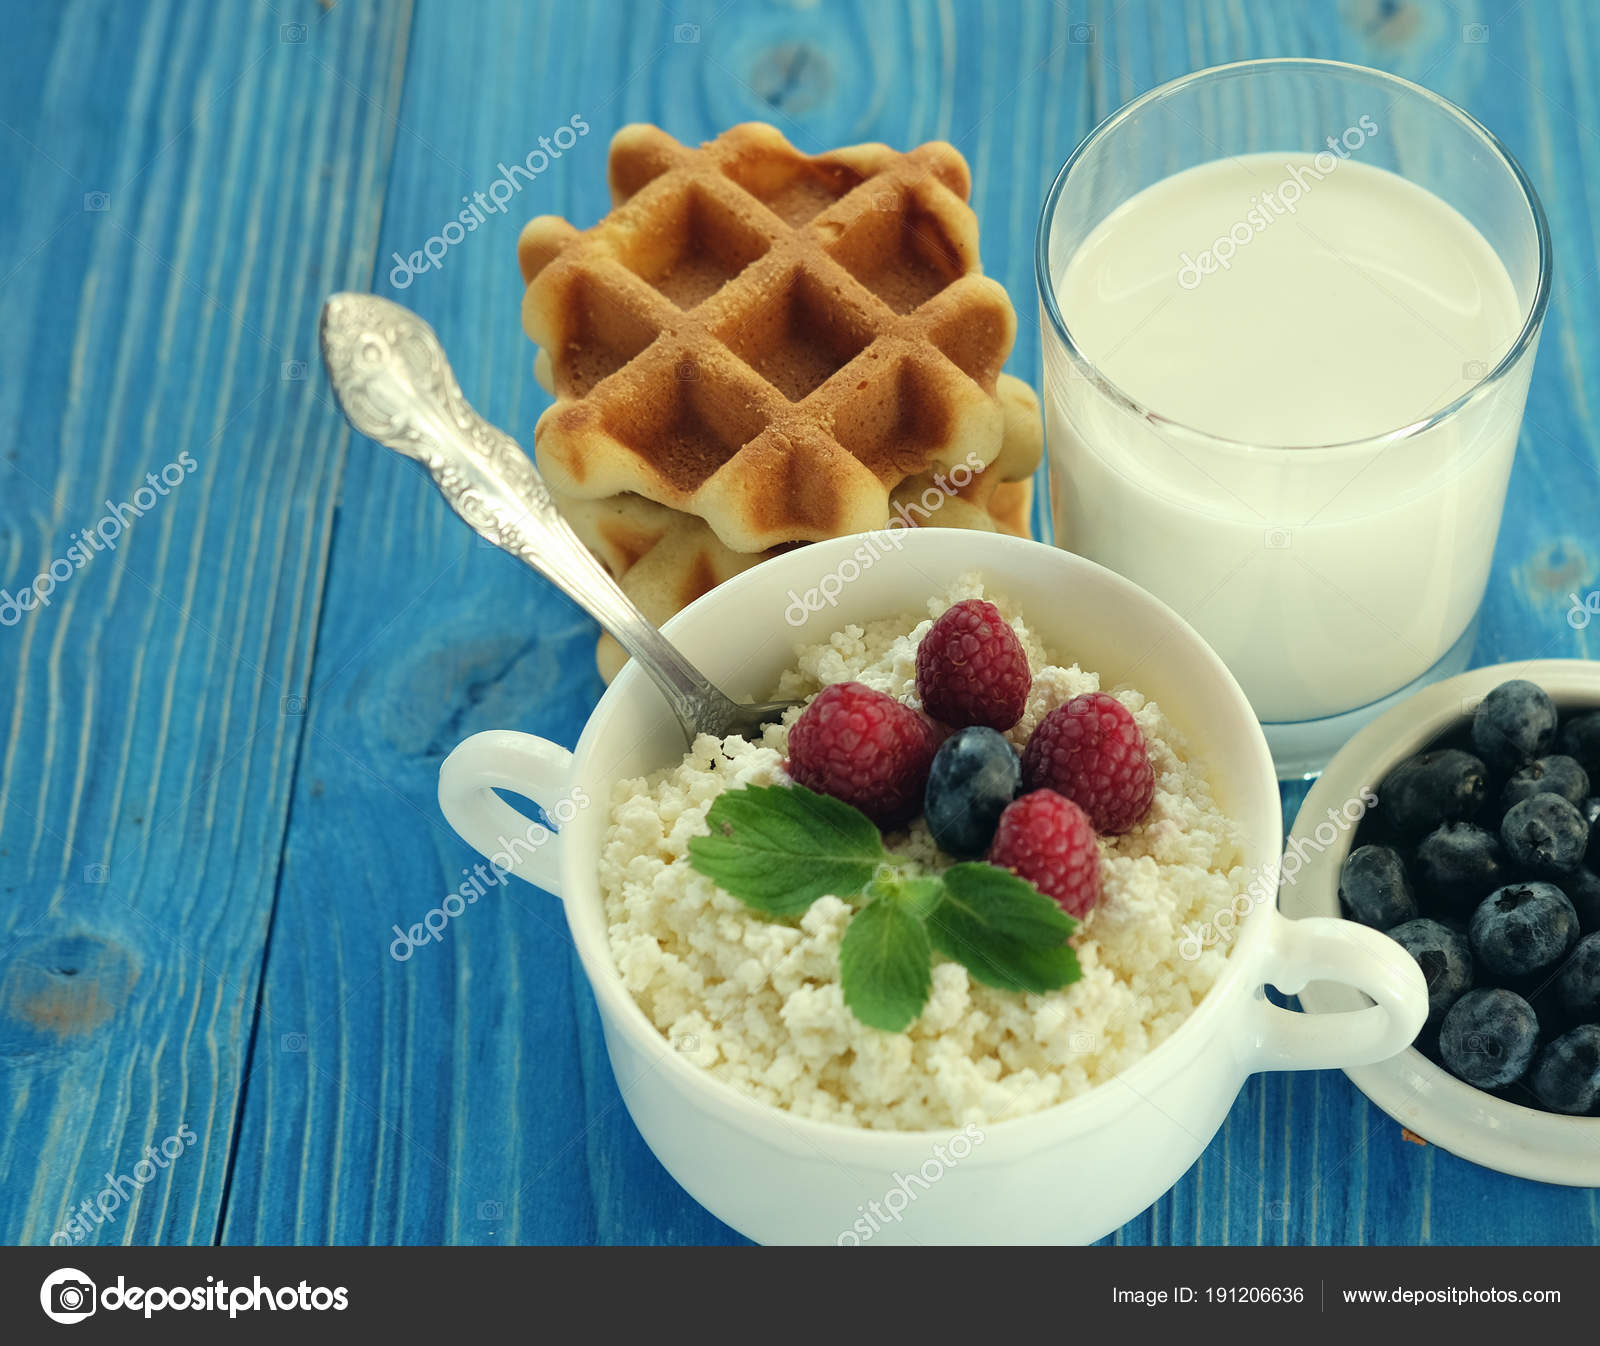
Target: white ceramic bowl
<point x="1410" y="1088"/>
<point x="1071" y="1173"/>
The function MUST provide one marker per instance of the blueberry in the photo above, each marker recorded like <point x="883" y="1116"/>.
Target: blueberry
<point x="1514" y="724"/>
<point x="1580" y="738"/>
<point x="1374" y="887"/>
<point x="1553" y="775"/>
<point x="1545" y="835"/>
<point x="1566" y="1077"/>
<point x="1488" y="1037"/>
<point x="1583" y="887"/>
<point x="1444" y="957"/>
<point x="974" y="775"/>
<point x="1459" y="864"/>
<point x="1578" y="982"/>
<point x="1433" y="788"/>
<point x="1523" y="929"/>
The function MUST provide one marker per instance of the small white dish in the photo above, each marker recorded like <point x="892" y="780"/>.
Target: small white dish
<point x="1069" y="1174"/>
<point x="1420" y="1095"/>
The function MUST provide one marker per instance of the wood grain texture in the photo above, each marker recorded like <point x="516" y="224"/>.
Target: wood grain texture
<point x="185" y="187"/>
<point x="240" y="713"/>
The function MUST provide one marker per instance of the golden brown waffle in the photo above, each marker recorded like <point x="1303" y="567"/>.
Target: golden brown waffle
<point x="769" y="341"/>
<point x="688" y="560"/>
<point x="664" y="559"/>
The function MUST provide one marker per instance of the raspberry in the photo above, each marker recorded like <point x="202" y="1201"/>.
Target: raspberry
<point x="1046" y="838"/>
<point x="971" y="668"/>
<point x="865" y="748"/>
<point x="1091" y="751"/>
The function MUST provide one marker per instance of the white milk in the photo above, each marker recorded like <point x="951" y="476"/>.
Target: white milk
<point x="1326" y="578"/>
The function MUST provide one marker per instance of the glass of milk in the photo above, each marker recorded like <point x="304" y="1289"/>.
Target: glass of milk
<point x="1290" y="310"/>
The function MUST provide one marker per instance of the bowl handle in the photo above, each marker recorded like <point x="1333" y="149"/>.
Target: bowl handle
<point x="527" y="765"/>
<point x="1322" y="948"/>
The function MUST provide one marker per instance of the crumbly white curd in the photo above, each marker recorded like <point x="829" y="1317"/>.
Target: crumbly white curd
<point x="757" y="1003"/>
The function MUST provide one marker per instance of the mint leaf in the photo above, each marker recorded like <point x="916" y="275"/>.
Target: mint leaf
<point x="884" y="965"/>
<point x="1003" y="930"/>
<point x="779" y="848"/>
<point x="1010" y="905"/>
<point x="917" y="894"/>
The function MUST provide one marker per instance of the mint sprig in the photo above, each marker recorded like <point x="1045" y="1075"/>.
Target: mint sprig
<point x="778" y="848"/>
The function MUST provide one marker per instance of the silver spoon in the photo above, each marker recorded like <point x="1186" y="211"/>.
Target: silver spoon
<point x="391" y="377"/>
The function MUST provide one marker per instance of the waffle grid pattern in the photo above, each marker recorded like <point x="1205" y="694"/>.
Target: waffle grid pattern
<point x="771" y="341"/>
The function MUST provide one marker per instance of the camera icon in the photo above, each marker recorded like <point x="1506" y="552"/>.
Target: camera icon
<point x="292" y="1042"/>
<point x="293" y="371"/>
<point x="96" y="202"/>
<point x="294" y="705"/>
<point x="293" y="33"/>
<point x="686" y="34"/>
<point x="1475" y="33"/>
<point x="1277" y="539"/>
<point x="886" y="201"/>
<point x="1081" y="1042"/>
<point x="491" y="1210"/>
<point x="687" y="371"/>
<point x="686" y="1042"/>
<point x="1081" y="33"/>
<point x="74" y="1297"/>
<point x="1276" y="1210"/>
<point x="96" y="873"/>
<point x="67" y="1296"/>
<point x="1475" y="370"/>
<point x="1481" y="1044"/>
<point x="1470" y="704"/>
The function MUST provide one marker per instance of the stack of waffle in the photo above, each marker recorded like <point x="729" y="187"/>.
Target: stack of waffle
<point x="758" y="348"/>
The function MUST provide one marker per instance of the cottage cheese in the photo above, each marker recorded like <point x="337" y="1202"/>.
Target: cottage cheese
<point x="757" y="1003"/>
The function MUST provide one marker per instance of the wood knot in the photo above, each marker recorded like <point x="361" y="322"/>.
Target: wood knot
<point x="54" y="989"/>
<point x="793" y="77"/>
<point x="1557" y="570"/>
<point x="1388" y="23"/>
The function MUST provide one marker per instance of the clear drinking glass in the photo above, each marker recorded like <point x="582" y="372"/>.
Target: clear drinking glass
<point x="1331" y="577"/>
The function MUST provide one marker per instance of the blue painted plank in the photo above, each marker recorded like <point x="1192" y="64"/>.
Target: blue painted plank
<point x="182" y="185"/>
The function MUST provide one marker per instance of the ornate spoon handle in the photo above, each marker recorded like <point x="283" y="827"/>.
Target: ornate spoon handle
<point x="396" y="387"/>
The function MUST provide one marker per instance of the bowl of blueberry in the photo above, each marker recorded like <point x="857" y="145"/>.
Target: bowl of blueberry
<point x="1463" y="824"/>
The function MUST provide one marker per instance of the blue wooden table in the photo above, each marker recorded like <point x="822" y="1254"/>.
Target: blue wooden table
<point x="219" y="737"/>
